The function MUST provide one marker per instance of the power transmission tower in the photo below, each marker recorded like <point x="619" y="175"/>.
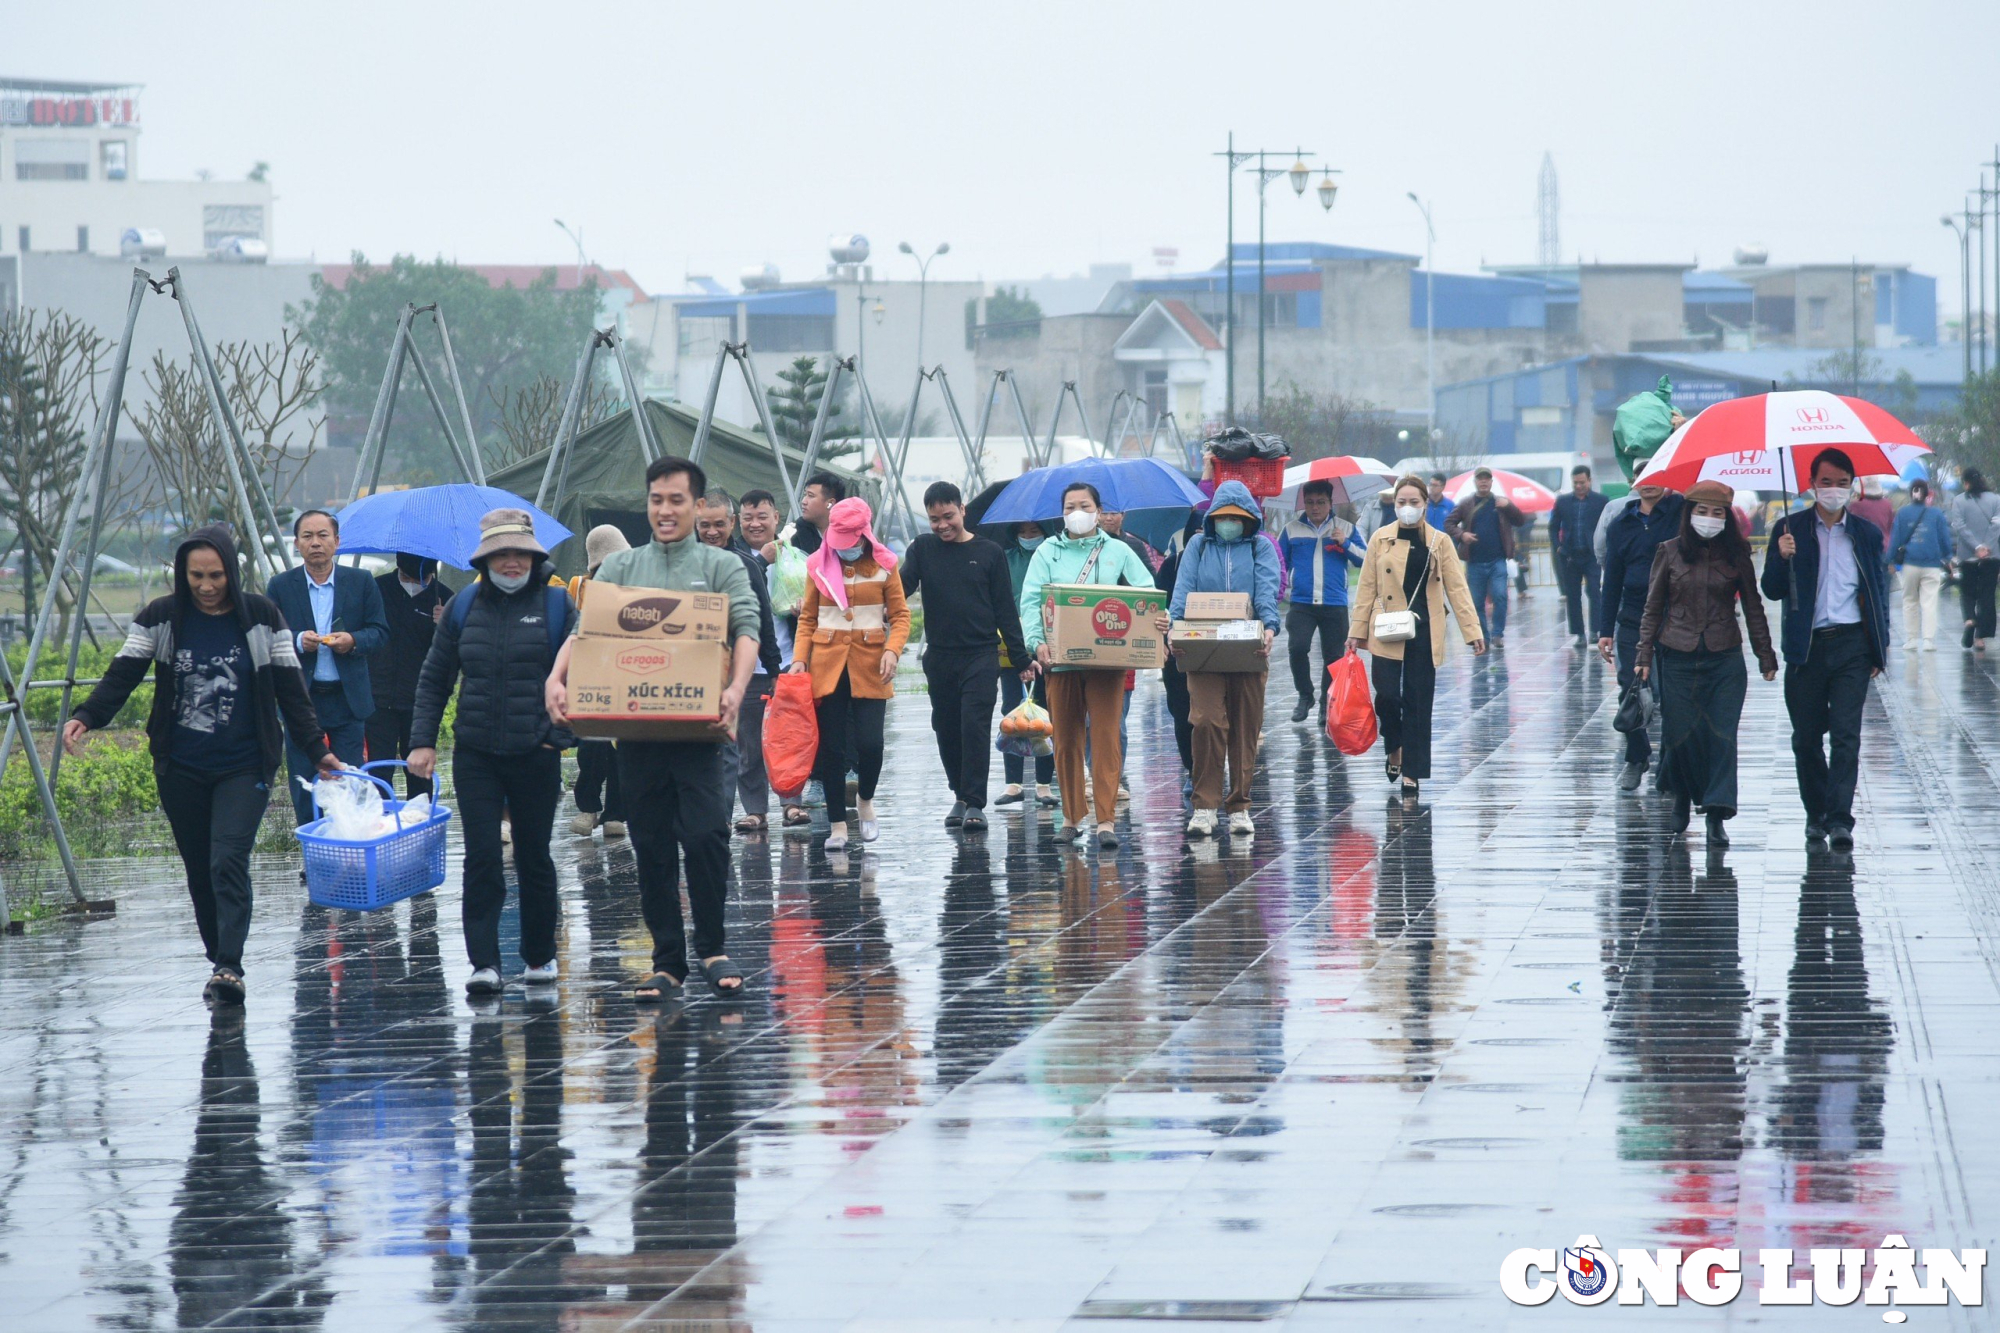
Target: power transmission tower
<point x="1548" y="248"/>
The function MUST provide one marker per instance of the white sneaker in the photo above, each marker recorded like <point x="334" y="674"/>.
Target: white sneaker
<point x="1201" y="824"/>
<point x="614" y="828"/>
<point x="506" y="831"/>
<point x="1909" y="645"/>
<point x="1241" y="825"/>
<point x="545" y="975"/>
<point x="583" y="823"/>
<point x="1930" y="645"/>
<point x="486" y="981"/>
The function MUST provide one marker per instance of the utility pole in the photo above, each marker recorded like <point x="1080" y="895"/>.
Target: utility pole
<point x="1229" y="161"/>
<point x="1430" y="321"/>
<point x="1299" y="174"/>
<point x="1854" y="325"/>
<point x="1964" y="293"/>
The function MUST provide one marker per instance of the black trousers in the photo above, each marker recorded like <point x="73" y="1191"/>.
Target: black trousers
<point x="388" y="734"/>
<point x="1012" y="692"/>
<point x="346" y="735"/>
<point x="1404" y="692"/>
<point x="1580" y="579"/>
<point x="1302" y="621"/>
<point x="678" y="798"/>
<point x="597" y="779"/>
<point x="1824" y="695"/>
<point x="848" y="725"/>
<point x="525" y="788"/>
<point x="1638" y="745"/>
<point x="1976" y="584"/>
<point x="214" y="817"/>
<point x="964" y="687"/>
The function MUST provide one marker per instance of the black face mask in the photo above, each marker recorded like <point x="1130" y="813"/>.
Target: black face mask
<point x="416" y="568"/>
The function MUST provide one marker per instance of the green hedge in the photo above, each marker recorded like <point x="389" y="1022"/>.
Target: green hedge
<point x="43" y="705"/>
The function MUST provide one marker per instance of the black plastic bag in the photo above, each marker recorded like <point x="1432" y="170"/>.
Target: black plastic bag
<point x="1236" y="444"/>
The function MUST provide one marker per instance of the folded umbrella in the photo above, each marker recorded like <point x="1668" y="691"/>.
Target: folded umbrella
<point x="1767" y="442"/>
<point x="1355" y="479"/>
<point x="441" y="522"/>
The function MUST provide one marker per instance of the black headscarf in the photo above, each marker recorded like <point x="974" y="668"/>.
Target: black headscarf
<point x="220" y="538"/>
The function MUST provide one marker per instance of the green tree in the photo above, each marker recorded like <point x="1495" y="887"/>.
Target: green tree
<point x="505" y="338"/>
<point x="1009" y="314"/>
<point x="795" y="403"/>
<point x="1968" y="434"/>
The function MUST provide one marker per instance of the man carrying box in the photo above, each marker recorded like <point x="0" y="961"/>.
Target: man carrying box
<point x="1228" y="567"/>
<point x="677" y="794"/>
<point x="1086" y="698"/>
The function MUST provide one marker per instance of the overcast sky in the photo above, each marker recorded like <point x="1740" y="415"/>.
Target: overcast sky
<point x="1039" y="137"/>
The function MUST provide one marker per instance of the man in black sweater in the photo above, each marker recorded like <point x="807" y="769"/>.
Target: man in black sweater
<point x="412" y="597"/>
<point x="969" y="610"/>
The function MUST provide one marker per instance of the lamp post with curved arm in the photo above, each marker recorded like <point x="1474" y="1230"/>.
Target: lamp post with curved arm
<point x="1430" y="330"/>
<point x="923" y="278"/>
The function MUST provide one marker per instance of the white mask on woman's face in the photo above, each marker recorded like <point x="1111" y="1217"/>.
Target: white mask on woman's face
<point x="1408" y="515"/>
<point x="1080" y="522"/>
<point x="507" y="583"/>
<point x="1706" y="527"/>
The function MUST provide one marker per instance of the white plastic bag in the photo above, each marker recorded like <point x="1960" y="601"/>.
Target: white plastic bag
<point x="415" y="811"/>
<point x="352" y="809"/>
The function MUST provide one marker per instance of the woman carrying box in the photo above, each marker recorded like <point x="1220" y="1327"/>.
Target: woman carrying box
<point x="852" y="628"/>
<point x="1084" y="702"/>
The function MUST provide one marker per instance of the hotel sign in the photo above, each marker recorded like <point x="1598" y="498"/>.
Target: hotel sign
<point x="68" y="112"/>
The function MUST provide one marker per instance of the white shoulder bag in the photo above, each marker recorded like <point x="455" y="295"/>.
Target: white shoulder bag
<point x="1401" y="626"/>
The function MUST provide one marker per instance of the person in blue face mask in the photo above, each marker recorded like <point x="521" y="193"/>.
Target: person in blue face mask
<point x="1226" y="708"/>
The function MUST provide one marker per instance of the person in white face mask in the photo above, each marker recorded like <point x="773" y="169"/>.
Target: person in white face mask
<point x="1411" y="568"/>
<point x="501" y="637"/>
<point x="1825" y="565"/>
<point x="1690" y="639"/>
<point x="413" y="596"/>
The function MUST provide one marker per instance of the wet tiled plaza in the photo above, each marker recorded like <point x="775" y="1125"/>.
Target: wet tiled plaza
<point x="1328" y="1078"/>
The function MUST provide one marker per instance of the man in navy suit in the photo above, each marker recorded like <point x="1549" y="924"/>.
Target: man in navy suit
<point x="336" y="617"/>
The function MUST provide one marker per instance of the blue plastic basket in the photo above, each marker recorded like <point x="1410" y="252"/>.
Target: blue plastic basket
<point x="365" y="875"/>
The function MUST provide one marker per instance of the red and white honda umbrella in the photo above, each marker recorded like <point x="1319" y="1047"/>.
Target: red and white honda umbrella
<point x="1355" y="479"/>
<point x="1767" y="442"/>
<point x="1528" y="494"/>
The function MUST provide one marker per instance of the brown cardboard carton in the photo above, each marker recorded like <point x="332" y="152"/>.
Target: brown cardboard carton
<point x="611" y="610"/>
<point x="1217" y="606"/>
<point x="641" y="689"/>
<point x="1098" y="625"/>
<point x="1219" y="645"/>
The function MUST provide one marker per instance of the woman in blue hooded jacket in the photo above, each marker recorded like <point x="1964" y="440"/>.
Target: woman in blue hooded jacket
<point x="1226" y="708"/>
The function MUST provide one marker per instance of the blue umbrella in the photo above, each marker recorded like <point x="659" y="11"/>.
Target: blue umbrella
<point x="1127" y="484"/>
<point x="441" y="522"/>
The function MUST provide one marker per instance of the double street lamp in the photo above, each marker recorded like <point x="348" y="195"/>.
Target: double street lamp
<point x="923" y="278"/>
<point x="1430" y="329"/>
<point x="1300" y="176"/>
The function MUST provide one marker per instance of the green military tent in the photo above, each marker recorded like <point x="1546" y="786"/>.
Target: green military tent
<point x="606" y="481"/>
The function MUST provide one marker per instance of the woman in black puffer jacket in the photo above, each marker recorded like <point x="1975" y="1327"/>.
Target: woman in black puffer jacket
<point x="501" y="634"/>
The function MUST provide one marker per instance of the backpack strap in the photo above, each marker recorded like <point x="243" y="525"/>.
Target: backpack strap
<point x="461" y="606"/>
<point x="555" y="612"/>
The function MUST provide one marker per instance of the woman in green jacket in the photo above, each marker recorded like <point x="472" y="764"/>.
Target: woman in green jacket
<point x="1083" y="701"/>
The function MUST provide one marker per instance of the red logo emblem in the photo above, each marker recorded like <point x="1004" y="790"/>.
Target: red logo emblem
<point x="1813" y="416"/>
<point x="1112" y="618"/>
<point x="1749" y="459"/>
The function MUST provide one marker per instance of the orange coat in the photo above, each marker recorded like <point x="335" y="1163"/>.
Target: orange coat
<point x="830" y="640"/>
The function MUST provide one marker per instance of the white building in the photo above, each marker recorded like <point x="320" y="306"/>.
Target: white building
<point x="69" y="179"/>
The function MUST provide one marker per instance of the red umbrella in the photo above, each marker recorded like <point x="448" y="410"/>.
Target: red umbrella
<point x="1767" y="442"/>
<point x="1528" y="494"/>
<point x="1355" y="479"/>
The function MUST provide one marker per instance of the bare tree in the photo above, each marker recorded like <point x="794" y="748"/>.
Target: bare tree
<point x="49" y="367"/>
<point x="273" y="388"/>
<point x="1316" y="425"/>
<point x="529" y="417"/>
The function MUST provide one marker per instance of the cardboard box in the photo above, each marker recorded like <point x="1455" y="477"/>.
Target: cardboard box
<point x="1217" y="606"/>
<point x="637" y="688"/>
<point x="1103" y="626"/>
<point x="613" y="610"/>
<point x="1220" y="645"/>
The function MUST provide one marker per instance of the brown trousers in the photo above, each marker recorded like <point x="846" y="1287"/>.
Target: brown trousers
<point x="1226" y="714"/>
<point x="1087" y="701"/>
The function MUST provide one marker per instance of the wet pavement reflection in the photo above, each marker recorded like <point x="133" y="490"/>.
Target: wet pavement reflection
<point x="1327" y="1076"/>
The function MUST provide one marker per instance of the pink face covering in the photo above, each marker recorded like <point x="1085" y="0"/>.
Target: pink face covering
<point x="847" y="525"/>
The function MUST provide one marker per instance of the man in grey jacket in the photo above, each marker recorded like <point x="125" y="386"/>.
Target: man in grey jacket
<point x="1975" y="530"/>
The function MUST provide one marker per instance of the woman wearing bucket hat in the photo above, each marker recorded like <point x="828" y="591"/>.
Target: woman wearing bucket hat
<point x="501" y="635"/>
<point x="1690" y="636"/>
<point x="852" y="628"/>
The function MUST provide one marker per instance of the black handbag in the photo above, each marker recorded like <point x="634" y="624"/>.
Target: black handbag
<point x="1635" y="708"/>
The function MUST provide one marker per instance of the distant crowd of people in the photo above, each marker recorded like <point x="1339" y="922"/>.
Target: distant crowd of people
<point x="334" y="665"/>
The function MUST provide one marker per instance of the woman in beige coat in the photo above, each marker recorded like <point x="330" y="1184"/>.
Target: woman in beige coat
<point x="1410" y="566"/>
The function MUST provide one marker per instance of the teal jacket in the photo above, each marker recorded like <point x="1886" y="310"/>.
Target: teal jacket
<point x="1061" y="560"/>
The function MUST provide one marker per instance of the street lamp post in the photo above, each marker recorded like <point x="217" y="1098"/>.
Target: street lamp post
<point x="577" y="237"/>
<point x="1430" y="329"/>
<point x="1300" y="175"/>
<point x="923" y="278"/>
<point x="1964" y="290"/>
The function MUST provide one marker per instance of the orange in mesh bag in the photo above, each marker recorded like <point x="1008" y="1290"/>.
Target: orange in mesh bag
<point x="791" y="735"/>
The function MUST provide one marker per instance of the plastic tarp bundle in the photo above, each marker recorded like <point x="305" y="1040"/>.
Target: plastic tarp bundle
<point x="1237" y="445"/>
<point x="1642" y="424"/>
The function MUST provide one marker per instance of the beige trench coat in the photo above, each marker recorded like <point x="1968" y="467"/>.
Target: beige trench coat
<point x="1381" y="589"/>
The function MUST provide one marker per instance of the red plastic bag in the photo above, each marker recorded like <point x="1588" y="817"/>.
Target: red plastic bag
<point x="1350" y="713"/>
<point x="791" y="735"/>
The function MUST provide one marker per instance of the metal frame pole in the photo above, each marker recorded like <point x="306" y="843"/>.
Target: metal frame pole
<point x="700" y="444"/>
<point x="872" y="420"/>
<point x="900" y="454"/>
<point x="975" y="471"/>
<point x="1108" y="448"/>
<point x="458" y="390"/>
<point x="82" y="613"/>
<point x="742" y="355"/>
<point x="986" y="411"/>
<point x="385" y="401"/>
<point x="649" y="443"/>
<point x="811" y="459"/>
<point x="1021" y="415"/>
<point x="565" y="429"/>
<point x="465" y="463"/>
